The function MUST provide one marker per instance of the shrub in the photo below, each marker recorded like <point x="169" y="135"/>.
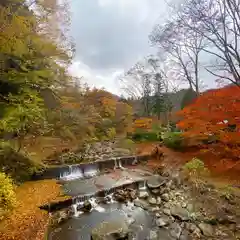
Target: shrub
<point x="146" y="136"/>
<point x="7" y="193"/>
<point x="17" y="165"/>
<point x="195" y="168"/>
<point x="111" y="133"/>
<point x="173" y="140"/>
<point x="127" y="144"/>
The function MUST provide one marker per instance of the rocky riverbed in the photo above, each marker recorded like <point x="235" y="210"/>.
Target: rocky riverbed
<point x="169" y="207"/>
<point x="90" y="152"/>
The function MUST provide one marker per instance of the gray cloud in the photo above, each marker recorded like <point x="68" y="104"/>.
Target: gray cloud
<point x="112" y="34"/>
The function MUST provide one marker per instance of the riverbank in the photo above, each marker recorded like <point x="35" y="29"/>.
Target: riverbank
<point x="27" y="221"/>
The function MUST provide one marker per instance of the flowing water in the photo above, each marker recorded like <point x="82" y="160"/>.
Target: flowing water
<point x="74" y="172"/>
<point x="80" y="226"/>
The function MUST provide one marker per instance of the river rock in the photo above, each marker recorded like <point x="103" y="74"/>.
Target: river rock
<point x="60" y="217"/>
<point x="159" y="200"/>
<point x="165" y="197"/>
<point x="184" y="204"/>
<point x="180" y="213"/>
<point x="161" y="222"/>
<point x="191" y="227"/>
<point x="143" y="194"/>
<point x="206" y="229"/>
<point x="155" y="191"/>
<point x="111" y="230"/>
<point x="185" y="235"/>
<point x="141" y="203"/>
<point x="167" y="211"/>
<point x="119" y="198"/>
<point x="87" y="206"/>
<point x="164" y="234"/>
<point x="152" y="200"/>
<point x="175" y="230"/>
<point x="153" y="235"/>
<point x="155" y="182"/>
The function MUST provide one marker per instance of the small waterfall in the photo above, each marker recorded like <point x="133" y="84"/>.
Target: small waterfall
<point x="120" y="164"/>
<point x="115" y="164"/>
<point x="80" y="203"/>
<point x="142" y="185"/>
<point x="91" y="170"/>
<point x="74" y="172"/>
<point x="135" y="161"/>
<point x="96" y="206"/>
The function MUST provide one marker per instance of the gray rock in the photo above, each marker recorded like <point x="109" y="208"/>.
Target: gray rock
<point x="184" y="204"/>
<point x="143" y="194"/>
<point x="152" y="200"/>
<point x="155" y="209"/>
<point x="191" y="227"/>
<point x="164" y="190"/>
<point x="167" y="211"/>
<point x="197" y="233"/>
<point x="111" y="230"/>
<point x="175" y="230"/>
<point x="206" y="229"/>
<point x="169" y="183"/>
<point x="141" y="203"/>
<point x="165" y="197"/>
<point x="185" y="235"/>
<point x="155" y="191"/>
<point x="155" y="182"/>
<point x="164" y="234"/>
<point x="158" y="215"/>
<point x="153" y="235"/>
<point x="130" y="221"/>
<point x="87" y="206"/>
<point x="159" y="200"/>
<point x="161" y="222"/>
<point x="180" y="213"/>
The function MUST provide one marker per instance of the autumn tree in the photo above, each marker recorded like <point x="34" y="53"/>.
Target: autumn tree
<point x="123" y="117"/>
<point x="29" y="66"/>
<point x="214" y="113"/>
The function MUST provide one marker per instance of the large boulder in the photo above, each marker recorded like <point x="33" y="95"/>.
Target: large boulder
<point x="155" y="182"/>
<point x="180" y="213"/>
<point x="111" y="230"/>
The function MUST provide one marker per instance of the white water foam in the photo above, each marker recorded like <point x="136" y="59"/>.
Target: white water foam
<point x="74" y="172"/>
<point x="95" y="206"/>
<point x="91" y="171"/>
<point x="120" y="165"/>
<point x="115" y="164"/>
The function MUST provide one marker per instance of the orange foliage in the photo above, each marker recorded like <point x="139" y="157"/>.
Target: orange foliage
<point x="103" y="101"/>
<point x="143" y="123"/>
<point x="27" y="221"/>
<point x="215" y="112"/>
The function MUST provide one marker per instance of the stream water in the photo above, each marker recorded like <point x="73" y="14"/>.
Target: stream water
<point x="80" y="226"/>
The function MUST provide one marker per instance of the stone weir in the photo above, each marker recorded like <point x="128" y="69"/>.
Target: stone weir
<point x="100" y="194"/>
<point x="86" y="170"/>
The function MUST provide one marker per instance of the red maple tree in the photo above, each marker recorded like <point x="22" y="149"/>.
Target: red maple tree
<point x="214" y="113"/>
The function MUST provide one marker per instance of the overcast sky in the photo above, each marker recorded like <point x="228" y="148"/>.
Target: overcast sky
<point x="110" y="36"/>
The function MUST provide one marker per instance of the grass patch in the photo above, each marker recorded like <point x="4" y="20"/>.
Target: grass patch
<point x="173" y="140"/>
